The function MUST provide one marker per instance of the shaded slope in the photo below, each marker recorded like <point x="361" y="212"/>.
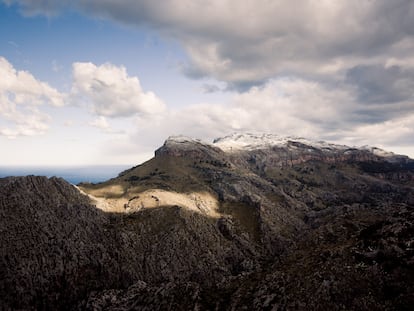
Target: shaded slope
<point x="52" y="244"/>
<point x="57" y="248"/>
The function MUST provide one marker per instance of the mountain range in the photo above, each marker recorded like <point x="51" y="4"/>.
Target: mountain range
<point x="248" y="222"/>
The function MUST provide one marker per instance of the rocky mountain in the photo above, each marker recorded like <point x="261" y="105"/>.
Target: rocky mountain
<point x="248" y="222"/>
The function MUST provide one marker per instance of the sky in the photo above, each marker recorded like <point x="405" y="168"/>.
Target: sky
<point x="93" y="82"/>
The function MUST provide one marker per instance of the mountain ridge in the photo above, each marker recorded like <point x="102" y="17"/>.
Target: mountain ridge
<point x="282" y="227"/>
<point x="254" y="141"/>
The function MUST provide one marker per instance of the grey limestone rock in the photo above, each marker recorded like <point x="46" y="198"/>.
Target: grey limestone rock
<point x="298" y="225"/>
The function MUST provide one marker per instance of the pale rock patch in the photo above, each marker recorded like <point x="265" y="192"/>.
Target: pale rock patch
<point x="200" y="202"/>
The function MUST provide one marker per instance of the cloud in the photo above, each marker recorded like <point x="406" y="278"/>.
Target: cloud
<point x="340" y="70"/>
<point x="21" y="95"/>
<point x="210" y="88"/>
<point x="247" y="43"/>
<point x="394" y="132"/>
<point x="103" y="124"/>
<point x="13" y="44"/>
<point x="100" y="123"/>
<point x="107" y="89"/>
<point x="55" y="66"/>
<point x="25" y="122"/>
<point x="23" y="88"/>
<point x="284" y="106"/>
<point x="111" y="92"/>
<point x="381" y="84"/>
<point x="37" y="7"/>
<point x="288" y="106"/>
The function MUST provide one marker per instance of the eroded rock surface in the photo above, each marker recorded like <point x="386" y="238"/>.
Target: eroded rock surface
<point x="253" y="225"/>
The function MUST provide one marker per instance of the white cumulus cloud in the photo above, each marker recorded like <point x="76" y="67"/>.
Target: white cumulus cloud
<point x="112" y="92"/>
<point x="100" y="123"/>
<point x="21" y="96"/>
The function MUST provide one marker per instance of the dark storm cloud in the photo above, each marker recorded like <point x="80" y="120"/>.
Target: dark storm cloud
<point x="368" y="116"/>
<point x="382" y="85"/>
<point x="247" y="43"/>
<point x="210" y="88"/>
<point x="243" y="86"/>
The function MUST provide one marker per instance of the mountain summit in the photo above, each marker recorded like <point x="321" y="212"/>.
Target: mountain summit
<point x="248" y="141"/>
<point x="247" y="222"/>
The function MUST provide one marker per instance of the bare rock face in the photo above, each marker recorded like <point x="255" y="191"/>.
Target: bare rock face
<point x="265" y="151"/>
<point x="246" y="223"/>
<point x="52" y="244"/>
<point x="181" y="146"/>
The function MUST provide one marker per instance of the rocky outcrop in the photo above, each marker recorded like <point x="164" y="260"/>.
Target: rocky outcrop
<point x="181" y="146"/>
<point x="291" y="153"/>
<point x="287" y="225"/>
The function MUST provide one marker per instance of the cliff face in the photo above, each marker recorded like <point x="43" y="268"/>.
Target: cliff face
<point x="244" y="223"/>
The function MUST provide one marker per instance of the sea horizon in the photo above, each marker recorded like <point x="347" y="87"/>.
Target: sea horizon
<point x="73" y="174"/>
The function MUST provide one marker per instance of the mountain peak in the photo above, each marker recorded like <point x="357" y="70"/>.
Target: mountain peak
<point x="180" y="139"/>
<point x="182" y="145"/>
<point x="253" y="141"/>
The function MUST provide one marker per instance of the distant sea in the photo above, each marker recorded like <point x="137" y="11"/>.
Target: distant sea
<point x="74" y="175"/>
